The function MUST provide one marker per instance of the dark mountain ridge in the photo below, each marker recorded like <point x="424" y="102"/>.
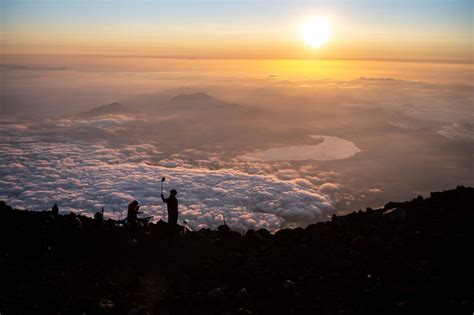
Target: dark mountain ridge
<point x="185" y="103"/>
<point x="405" y="258"/>
<point x="107" y="110"/>
<point x="198" y="97"/>
<point x="198" y="104"/>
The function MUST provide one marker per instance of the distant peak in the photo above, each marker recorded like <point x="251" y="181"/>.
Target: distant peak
<point x="199" y="96"/>
<point x="112" y="107"/>
<point x="375" y="79"/>
<point x="109" y="109"/>
<point x="114" y="104"/>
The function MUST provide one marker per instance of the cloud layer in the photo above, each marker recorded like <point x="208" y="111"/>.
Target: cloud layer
<point x="414" y="137"/>
<point x="85" y="177"/>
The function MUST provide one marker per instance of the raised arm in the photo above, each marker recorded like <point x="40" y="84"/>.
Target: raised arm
<point x="164" y="199"/>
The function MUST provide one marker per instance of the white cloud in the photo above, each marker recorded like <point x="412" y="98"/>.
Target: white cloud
<point x="455" y="131"/>
<point x="84" y="178"/>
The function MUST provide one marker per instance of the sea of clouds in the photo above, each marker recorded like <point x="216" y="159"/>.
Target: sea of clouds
<point x="39" y="168"/>
<point x="36" y="172"/>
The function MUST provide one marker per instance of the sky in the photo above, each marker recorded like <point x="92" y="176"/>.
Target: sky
<point x="260" y="29"/>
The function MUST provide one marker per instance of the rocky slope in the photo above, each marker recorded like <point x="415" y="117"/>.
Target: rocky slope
<point x="408" y="257"/>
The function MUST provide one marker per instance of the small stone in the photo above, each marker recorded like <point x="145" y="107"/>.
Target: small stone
<point x="133" y="311"/>
<point x="290" y="285"/>
<point x="106" y="304"/>
<point x="216" y="293"/>
<point x="243" y="294"/>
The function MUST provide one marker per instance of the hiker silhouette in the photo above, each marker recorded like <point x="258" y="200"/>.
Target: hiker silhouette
<point x="55" y="209"/>
<point x="172" y="203"/>
<point x="132" y="212"/>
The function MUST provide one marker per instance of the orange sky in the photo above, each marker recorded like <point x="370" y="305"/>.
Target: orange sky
<point x="418" y="29"/>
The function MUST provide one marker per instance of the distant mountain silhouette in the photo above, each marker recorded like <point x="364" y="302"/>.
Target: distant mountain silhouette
<point x="16" y="67"/>
<point x="198" y="104"/>
<point x="199" y="97"/>
<point x="150" y="101"/>
<point x="107" y="110"/>
<point x="185" y="103"/>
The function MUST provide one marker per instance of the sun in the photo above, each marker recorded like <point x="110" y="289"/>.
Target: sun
<point x="316" y="31"/>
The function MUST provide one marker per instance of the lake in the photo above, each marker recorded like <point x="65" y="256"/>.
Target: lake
<point x="332" y="148"/>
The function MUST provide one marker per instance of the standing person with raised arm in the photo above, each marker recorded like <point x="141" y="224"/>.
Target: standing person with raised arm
<point x="172" y="204"/>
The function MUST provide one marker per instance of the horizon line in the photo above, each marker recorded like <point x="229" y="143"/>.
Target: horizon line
<point x="378" y="59"/>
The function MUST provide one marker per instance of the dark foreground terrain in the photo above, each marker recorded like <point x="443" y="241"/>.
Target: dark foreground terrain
<point x="410" y="257"/>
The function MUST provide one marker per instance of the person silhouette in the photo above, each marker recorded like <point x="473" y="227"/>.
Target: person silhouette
<point x="172" y="204"/>
<point x="55" y="209"/>
<point x="132" y="212"/>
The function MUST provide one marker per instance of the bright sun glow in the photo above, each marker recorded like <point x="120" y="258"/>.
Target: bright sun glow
<point x="316" y="31"/>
